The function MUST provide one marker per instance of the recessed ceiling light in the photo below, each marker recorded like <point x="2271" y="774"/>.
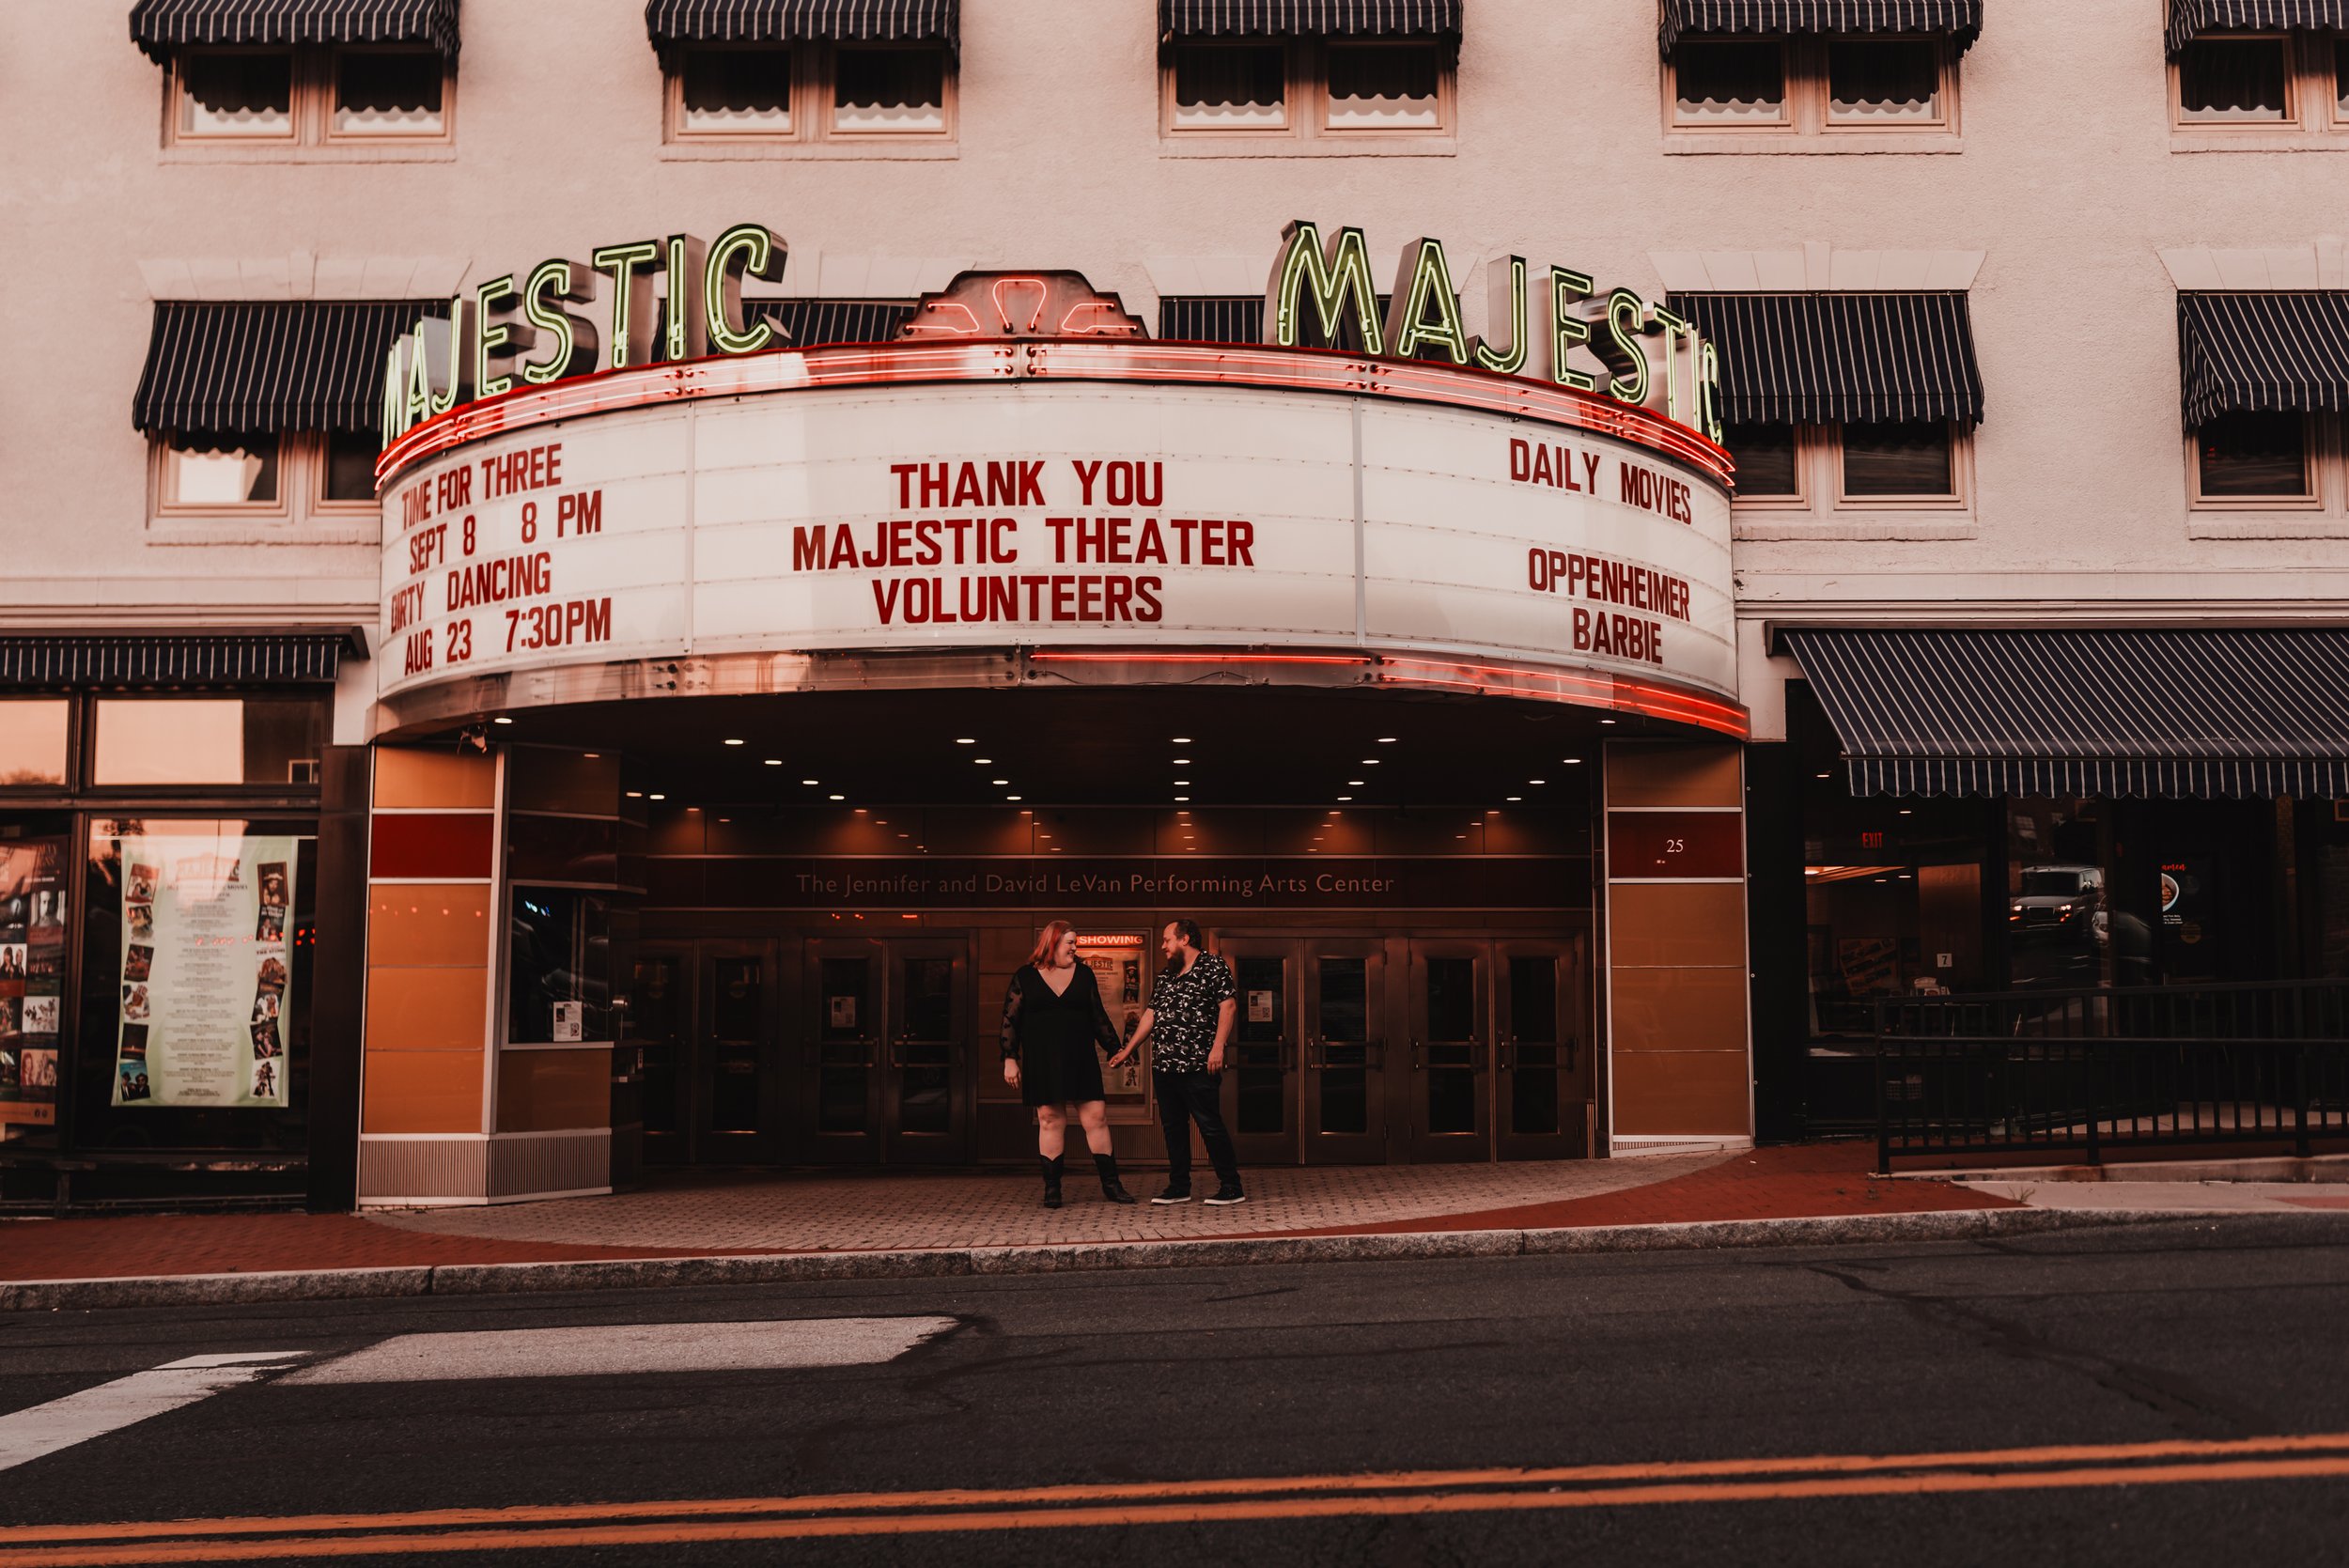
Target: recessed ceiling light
<point x="1823" y="775"/>
<point x="965" y="740"/>
<point x="859" y="811"/>
<point x="1537" y="781"/>
<point x="1014" y="797"/>
<point x="840" y="797"/>
<point x="999" y="783"/>
<point x="1386" y="741"/>
<point x="733" y="740"/>
<point x="774" y="762"/>
<point x="1573" y="762"/>
<point x="1606" y="721"/>
<point x="635" y="794"/>
<point x="501" y="719"/>
<point x="809" y="782"/>
<point x="1517" y="797"/>
<point x="1180" y="761"/>
<point x="983" y="761"/>
<point x="1182" y="781"/>
<point x="1346" y="797"/>
<point x="592" y="756"/>
<point x="1370" y="762"/>
<point x="1182" y="797"/>
<point x="1355" y="781"/>
<point x="695" y="810"/>
<point x="659" y="796"/>
<point x="1182" y="740"/>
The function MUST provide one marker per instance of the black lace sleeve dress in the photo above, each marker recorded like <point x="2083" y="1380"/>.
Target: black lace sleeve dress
<point x="1052" y="1037"/>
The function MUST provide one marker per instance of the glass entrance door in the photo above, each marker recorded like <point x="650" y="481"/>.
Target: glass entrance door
<point x="841" y="1031"/>
<point x="660" y="1024"/>
<point x="1448" y="1091"/>
<point x="1260" y="1081"/>
<point x="1343" y="1098"/>
<point x="1541" y="1084"/>
<point x="885" y="1051"/>
<point x="734" y="1110"/>
<point x="926" y="1099"/>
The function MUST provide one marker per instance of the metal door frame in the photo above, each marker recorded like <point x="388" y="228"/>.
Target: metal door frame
<point x="1408" y="1076"/>
<point x="867" y="1146"/>
<point x="1572" y="1140"/>
<point x="1266" y="1148"/>
<point x="764" y="1145"/>
<point x="952" y="1147"/>
<point x="1372" y="1146"/>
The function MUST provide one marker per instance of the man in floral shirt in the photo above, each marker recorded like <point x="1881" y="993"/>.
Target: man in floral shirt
<point x="1192" y="1006"/>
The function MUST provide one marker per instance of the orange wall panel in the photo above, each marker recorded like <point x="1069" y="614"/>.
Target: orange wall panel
<point x="1673" y="774"/>
<point x="426" y="1009"/>
<point x="439" y="779"/>
<point x="546" y="1091"/>
<point x="1678" y="1009"/>
<point x="1664" y="924"/>
<point x="426" y="924"/>
<point x="423" y="1091"/>
<point x="1668" y="1091"/>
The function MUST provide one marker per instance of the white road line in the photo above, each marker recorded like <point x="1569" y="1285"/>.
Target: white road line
<point x="26" y="1434"/>
<point x="619" y="1349"/>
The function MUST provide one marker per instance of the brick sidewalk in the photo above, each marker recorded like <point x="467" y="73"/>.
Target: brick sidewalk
<point x="702" y="1216"/>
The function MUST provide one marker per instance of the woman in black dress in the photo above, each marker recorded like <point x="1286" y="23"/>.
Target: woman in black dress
<point x="1053" y="1018"/>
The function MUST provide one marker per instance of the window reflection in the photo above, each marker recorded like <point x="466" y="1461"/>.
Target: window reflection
<point x="33" y="741"/>
<point x="207" y="740"/>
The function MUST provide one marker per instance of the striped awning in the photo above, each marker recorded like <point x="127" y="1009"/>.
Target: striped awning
<point x="99" y="660"/>
<point x="2189" y="17"/>
<point x="1862" y="359"/>
<point x="675" y="22"/>
<point x="159" y="26"/>
<point x="1961" y="20"/>
<point x="252" y="368"/>
<point x="2262" y="353"/>
<point x="1240" y="19"/>
<point x="2164" y="714"/>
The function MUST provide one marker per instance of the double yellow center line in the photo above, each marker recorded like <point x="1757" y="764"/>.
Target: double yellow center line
<point x="1237" y="1500"/>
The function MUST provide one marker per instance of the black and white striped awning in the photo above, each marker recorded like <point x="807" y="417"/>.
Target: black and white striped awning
<point x="676" y="21"/>
<point x="2189" y="17"/>
<point x="2264" y="353"/>
<point x="101" y="660"/>
<point x="1861" y="359"/>
<point x="159" y="26"/>
<point x="252" y="368"/>
<point x="1195" y="19"/>
<point x="2164" y="714"/>
<point x="1961" y="20"/>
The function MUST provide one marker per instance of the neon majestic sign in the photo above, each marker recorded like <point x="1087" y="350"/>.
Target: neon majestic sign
<point x="563" y="319"/>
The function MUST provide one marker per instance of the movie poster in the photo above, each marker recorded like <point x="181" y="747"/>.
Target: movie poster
<point x="207" y="976"/>
<point x="32" y="982"/>
<point x="1115" y="961"/>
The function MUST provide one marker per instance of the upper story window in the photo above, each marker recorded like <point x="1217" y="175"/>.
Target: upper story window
<point x="2265" y="381"/>
<point x="1860" y="402"/>
<point x="309" y="97"/>
<point x="1308" y="87"/>
<point x="1808" y="74"/>
<point x="2256" y="66"/>
<point x="263" y="75"/>
<point x="806" y="73"/>
<point x="268" y="413"/>
<point x="1813" y="85"/>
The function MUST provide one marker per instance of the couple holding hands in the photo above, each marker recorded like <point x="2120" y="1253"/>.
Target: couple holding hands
<point x="1054" y="1016"/>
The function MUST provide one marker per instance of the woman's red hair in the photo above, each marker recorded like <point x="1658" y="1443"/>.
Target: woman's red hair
<point x="1047" y="940"/>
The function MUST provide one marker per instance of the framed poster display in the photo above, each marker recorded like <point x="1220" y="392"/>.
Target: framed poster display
<point x="1116" y="959"/>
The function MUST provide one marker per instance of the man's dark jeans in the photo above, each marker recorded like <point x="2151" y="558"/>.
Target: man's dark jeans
<point x="1185" y="1098"/>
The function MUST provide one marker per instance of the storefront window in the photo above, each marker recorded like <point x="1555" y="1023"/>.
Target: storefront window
<point x="559" y="968"/>
<point x="33" y="740"/>
<point x="207" y="740"/>
<point x="1893" y="892"/>
<point x="2062" y="930"/>
<point x="33" y="918"/>
<point x="195" y="984"/>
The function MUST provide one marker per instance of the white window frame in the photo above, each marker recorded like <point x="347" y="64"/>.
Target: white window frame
<point x="1305" y="73"/>
<point x="2322" y="486"/>
<point x="1808" y="113"/>
<point x="301" y="474"/>
<point x="815" y="90"/>
<point x="311" y="121"/>
<point x="1819" y="476"/>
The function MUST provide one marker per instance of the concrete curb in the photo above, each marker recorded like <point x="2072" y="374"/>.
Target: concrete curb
<point x="194" y="1290"/>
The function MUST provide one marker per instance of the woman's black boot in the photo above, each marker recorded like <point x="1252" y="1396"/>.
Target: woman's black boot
<point x="1052" y="1182"/>
<point x="1112" y="1188"/>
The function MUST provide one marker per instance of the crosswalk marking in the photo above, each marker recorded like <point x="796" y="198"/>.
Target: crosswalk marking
<point x="26" y="1434"/>
<point x="618" y="1350"/>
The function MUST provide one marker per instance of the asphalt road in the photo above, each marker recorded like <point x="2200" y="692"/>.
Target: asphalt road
<point x="2150" y="1395"/>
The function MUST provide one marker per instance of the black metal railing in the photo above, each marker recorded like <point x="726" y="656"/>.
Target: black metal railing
<point x="2130" y="1067"/>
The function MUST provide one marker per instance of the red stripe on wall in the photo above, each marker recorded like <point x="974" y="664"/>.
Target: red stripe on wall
<point x="439" y="845"/>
